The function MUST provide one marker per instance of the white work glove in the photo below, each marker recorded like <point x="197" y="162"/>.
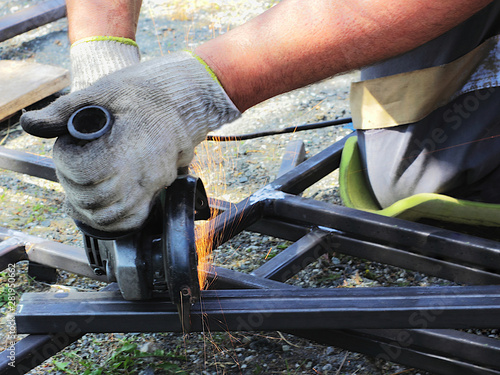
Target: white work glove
<point x="93" y="58"/>
<point x="162" y="109"/>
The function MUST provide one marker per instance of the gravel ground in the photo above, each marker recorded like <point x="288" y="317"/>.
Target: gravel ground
<point x="231" y="171"/>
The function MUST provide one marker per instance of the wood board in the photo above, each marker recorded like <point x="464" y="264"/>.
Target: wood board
<point x="24" y="83"/>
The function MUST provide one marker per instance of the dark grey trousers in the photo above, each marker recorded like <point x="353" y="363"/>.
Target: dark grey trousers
<point x="456" y="149"/>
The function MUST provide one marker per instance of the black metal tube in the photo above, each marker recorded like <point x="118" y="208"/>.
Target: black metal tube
<point x="31" y="18"/>
<point x="53" y="254"/>
<point x="311" y="170"/>
<point x="405" y="351"/>
<point x="11" y="252"/>
<point x="33" y="350"/>
<point x="267" y="309"/>
<point x="296" y="257"/>
<point x="231" y="222"/>
<point x="30" y="164"/>
<point x="408" y="236"/>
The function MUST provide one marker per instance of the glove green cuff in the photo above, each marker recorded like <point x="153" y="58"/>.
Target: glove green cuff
<point x="205" y="65"/>
<point x="214" y="77"/>
<point x="106" y="38"/>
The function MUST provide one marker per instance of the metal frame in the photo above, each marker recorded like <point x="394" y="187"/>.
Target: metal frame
<point x="410" y="325"/>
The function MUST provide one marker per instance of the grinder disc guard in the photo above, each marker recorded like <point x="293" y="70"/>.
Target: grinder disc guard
<point x="182" y="201"/>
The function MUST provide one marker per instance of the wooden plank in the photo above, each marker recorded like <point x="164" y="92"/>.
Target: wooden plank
<point x="31" y="18"/>
<point x="24" y="83"/>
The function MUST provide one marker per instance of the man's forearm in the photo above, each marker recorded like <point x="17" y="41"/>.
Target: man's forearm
<point x="299" y="42"/>
<point x="102" y="18"/>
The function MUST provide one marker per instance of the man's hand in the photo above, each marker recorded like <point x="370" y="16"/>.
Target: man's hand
<point x="162" y="109"/>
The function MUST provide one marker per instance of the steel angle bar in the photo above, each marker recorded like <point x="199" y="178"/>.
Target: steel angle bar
<point x="412" y="237"/>
<point x="30" y="164"/>
<point x="31" y="18"/>
<point x="274" y="309"/>
<point x="49" y="253"/>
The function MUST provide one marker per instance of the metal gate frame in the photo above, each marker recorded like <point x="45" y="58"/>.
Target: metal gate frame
<point x="413" y="326"/>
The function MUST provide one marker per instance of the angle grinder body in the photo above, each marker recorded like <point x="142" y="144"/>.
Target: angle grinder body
<point x="159" y="260"/>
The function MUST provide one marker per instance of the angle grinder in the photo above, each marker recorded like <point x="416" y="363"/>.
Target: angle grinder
<point x="160" y="257"/>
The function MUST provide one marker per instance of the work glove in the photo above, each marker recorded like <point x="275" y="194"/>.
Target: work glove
<point x="162" y="109"/>
<point x="93" y="58"/>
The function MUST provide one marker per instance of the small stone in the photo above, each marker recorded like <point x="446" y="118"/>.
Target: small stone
<point x="243" y="179"/>
<point x="148" y="347"/>
<point x="147" y="371"/>
<point x="327" y="367"/>
<point x="285" y="348"/>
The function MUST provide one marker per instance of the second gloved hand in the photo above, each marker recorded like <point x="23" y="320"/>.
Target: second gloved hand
<point x="162" y="109"/>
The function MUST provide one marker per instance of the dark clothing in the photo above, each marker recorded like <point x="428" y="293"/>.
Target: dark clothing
<point x="456" y="149"/>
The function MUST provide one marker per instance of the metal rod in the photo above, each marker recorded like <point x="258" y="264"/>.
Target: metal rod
<point x="270" y="227"/>
<point x="33" y="350"/>
<point x="223" y="278"/>
<point x="231" y="222"/>
<point x="445" y="269"/>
